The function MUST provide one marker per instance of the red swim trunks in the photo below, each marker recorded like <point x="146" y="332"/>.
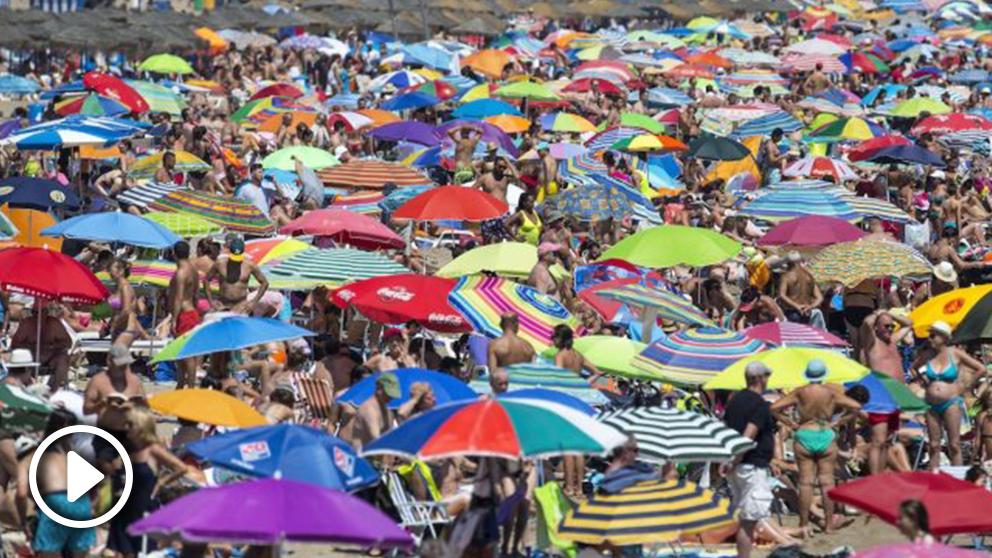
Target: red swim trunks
<point x="187" y="321"/>
<point x="890" y="419"/>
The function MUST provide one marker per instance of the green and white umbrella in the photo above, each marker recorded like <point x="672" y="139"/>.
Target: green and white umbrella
<point x="22" y="412"/>
<point x="335" y="267"/>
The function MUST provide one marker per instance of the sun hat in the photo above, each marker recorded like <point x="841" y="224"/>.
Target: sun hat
<point x="816" y="371"/>
<point x="543" y="146"/>
<point x="942" y="328"/>
<point x="120" y="355"/>
<point x="390" y="384"/>
<point x="21" y="358"/>
<point x="945" y="272"/>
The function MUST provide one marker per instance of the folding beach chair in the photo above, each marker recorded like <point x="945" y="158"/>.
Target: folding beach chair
<point x="315" y="398"/>
<point x="416" y="516"/>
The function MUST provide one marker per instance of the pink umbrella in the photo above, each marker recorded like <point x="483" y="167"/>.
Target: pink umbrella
<point x="811" y="230"/>
<point x="346" y="227"/>
<point x="789" y="334"/>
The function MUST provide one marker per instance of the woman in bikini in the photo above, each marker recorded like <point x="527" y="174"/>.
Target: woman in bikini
<point x="945" y="372"/>
<point x="125" y="328"/>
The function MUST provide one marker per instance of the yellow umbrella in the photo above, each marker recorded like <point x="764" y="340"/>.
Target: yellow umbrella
<point x="428" y="73"/>
<point x="207" y="406"/>
<point x="509" y="259"/>
<point x="185" y="162"/>
<point x="480" y="91"/>
<point x="788" y="365"/>
<point x="29" y="224"/>
<point x="950" y="308"/>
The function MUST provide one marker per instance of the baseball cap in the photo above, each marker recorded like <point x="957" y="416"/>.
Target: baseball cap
<point x="237" y="249"/>
<point x="390" y="384"/>
<point x="120" y="355"/>
<point x="816" y="371"/>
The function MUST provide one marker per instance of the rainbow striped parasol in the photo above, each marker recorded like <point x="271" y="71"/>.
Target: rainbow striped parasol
<point x="668" y="305"/>
<point x="695" y="356"/>
<point x="482" y="300"/>
<point x="156" y="273"/>
<point x="849" y="263"/>
<point x="233" y="215"/>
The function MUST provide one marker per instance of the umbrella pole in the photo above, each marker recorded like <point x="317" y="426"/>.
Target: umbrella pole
<point x="37" y="339"/>
<point x="647" y="325"/>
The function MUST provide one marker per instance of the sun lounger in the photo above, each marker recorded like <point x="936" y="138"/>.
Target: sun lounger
<point x="315" y="397"/>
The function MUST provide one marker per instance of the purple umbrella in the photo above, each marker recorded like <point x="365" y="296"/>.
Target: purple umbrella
<point x="490" y="133"/>
<point x="9" y="127"/>
<point x="411" y="131"/>
<point x="272" y="511"/>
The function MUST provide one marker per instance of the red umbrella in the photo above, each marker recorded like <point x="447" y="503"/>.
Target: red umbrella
<point x="395" y="299"/>
<point x="811" y="230"/>
<point x="49" y="275"/>
<point x="346" y="227"/>
<point x="278" y="90"/>
<point x="607" y="308"/>
<point x="791" y="334"/>
<point x="690" y="71"/>
<point x="584" y="85"/>
<point x="113" y="87"/>
<point x="866" y="149"/>
<point x="953" y="506"/>
<point x="452" y="202"/>
<point x="948" y="123"/>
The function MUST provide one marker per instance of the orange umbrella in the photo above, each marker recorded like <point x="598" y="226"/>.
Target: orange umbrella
<point x="709" y="59"/>
<point x="509" y="124"/>
<point x="30" y="223"/>
<point x="690" y="71"/>
<point x="490" y="61"/>
<point x="217" y="43"/>
<point x="271" y="124"/>
<point x="213" y="86"/>
<point x="93" y="152"/>
<point x="379" y="116"/>
<point x="670" y="143"/>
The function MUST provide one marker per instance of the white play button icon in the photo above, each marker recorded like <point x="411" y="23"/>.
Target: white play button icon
<point x="80" y="477"/>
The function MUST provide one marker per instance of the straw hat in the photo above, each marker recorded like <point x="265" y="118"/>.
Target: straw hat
<point x="944" y="271"/>
<point x="942" y="328"/>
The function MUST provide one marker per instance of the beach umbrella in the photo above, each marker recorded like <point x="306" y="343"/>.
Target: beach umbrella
<point x="503" y="427"/>
<point x="26" y="225"/>
<point x="781" y="204"/>
<point x="114" y="87"/>
<point x="565" y="122"/>
<point x="509" y="124"/>
<point x="265" y="250"/>
<point x="483" y="108"/>
<point x="407" y="131"/>
<point x="712" y="148"/>
<point x="765" y="125"/>
<point x="229" y="333"/>
<point x="49" y="275"/>
<point x="913" y="107"/>
<point x="940" y="124"/>
<point x="849" y="263"/>
<point x="290" y="452"/>
<point x="206" y="406"/>
<point x="345" y="227"/>
<point x="233" y="215"/>
<point x="371" y="175"/>
<point x="529" y="377"/>
<point x="400" y="79"/>
<point x="115" y="227"/>
<point x="642" y="122"/>
<point x="508" y="259"/>
<point x="888" y="395"/>
<point x="906" y="155"/>
<point x="527" y="90"/>
<point x="666" y="305"/>
<point x="484" y="300"/>
<point x="278" y="90"/>
<point x="974" y="324"/>
<point x="17" y="85"/>
<point x="950" y="307"/>
<point x="811" y="230"/>
<point x="692" y="357"/>
<point x="266" y="107"/>
<point x="93" y="104"/>
<point x="648" y="143"/>
<point x="454" y="203"/>
<point x="446" y="388"/>
<point x="271" y="512"/>
<point x="788" y="365"/>
<point x="165" y="64"/>
<point x="866" y="149"/>
<point x="37" y="193"/>
<point x="157" y="273"/>
<point x="592" y="202"/>
<point x="23" y="412"/>
<point x="147" y="166"/>
<point x="666" y="435"/>
<point x="54" y="136"/>
<point x="610" y="354"/>
<point x="595" y="85"/>
<point x="819" y="167"/>
<point x="379" y="116"/>
<point x="410" y="101"/>
<point x="285" y="159"/>
<point x="949" y="501"/>
<point x="853" y="128"/>
<point x="395" y="299"/>
<point x="352" y="120"/>
<point x="336" y="266"/>
<point x="184" y="224"/>
<point x="918" y="550"/>
<point x="791" y="334"/>
<point x="158" y="97"/>
<point x="673" y="245"/>
<point x="490" y="62"/>
<point x="647" y="512"/>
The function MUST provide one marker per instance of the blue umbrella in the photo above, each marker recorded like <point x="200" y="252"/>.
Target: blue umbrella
<point x="72" y="87"/>
<point x="288" y="451"/>
<point x="542" y="394"/>
<point x="347" y="100"/>
<point x="666" y="97"/>
<point x="426" y="55"/>
<point x="446" y="388"/>
<point x="484" y="108"/>
<point x="17" y="85"/>
<point x="37" y="193"/>
<point x="765" y="125"/>
<point x="229" y="334"/>
<point x="410" y="101"/>
<point x="907" y="154"/>
<point x="411" y="131"/>
<point x="115" y="227"/>
<point x="399" y="197"/>
<point x="890" y="90"/>
<point x="974" y="75"/>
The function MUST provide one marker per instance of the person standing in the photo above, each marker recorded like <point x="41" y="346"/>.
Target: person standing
<point x="508" y="349"/>
<point x="749" y="414"/>
<point x="184" y="288"/>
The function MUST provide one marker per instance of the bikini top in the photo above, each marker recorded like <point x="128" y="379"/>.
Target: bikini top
<point x="949" y="375"/>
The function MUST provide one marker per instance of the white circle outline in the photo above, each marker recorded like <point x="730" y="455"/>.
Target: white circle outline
<point x="33" y="472"/>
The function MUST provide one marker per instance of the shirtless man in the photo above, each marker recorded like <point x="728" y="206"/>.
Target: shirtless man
<point x="337" y="364"/>
<point x="540" y="277"/>
<point x="548" y="178"/>
<point x="395" y="354"/>
<point x="166" y="174"/>
<point x="110" y="394"/>
<point x="233" y="273"/>
<point x="184" y="287"/>
<point x="495" y="180"/>
<point x="815" y="445"/>
<point x="51" y="539"/>
<point x="800" y="295"/>
<point x="374" y="417"/>
<point x="817" y="81"/>
<point x="881" y="354"/>
<point x="509" y="348"/>
<point x="755" y="309"/>
<point x="465" y="143"/>
<point x="206" y="254"/>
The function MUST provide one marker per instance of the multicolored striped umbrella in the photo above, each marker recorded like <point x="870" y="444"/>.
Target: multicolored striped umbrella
<point x="665" y="435"/>
<point x="185" y="225"/>
<point x="336" y="266"/>
<point x="647" y="513"/>
<point x="371" y="174"/>
<point x="669" y="306"/>
<point x="791" y="334"/>
<point x="267" y="250"/>
<point x="483" y="300"/>
<point x="765" y="125"/>
<point x="849" y="263"/>
<point x="548" y="376"/>
<point x="233" y="215"/>
<point x="159" y="97"/>
<point x="505" y="427"/>
<point x="819" y="167"/>
<point x="777" y="205"/>
<point x="143" y="195"/>
<point x="92" y="105"/>
<point x="565" y="122"/>
<point x="694" y="356"/>
<point x="857" y="129"/>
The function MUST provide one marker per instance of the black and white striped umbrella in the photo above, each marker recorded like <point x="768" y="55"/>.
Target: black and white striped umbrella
<point x="143" y="195"/>
<point x="673" y="435"/>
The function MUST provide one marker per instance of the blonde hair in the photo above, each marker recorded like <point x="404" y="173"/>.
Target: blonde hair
<point x="142" y="427"/>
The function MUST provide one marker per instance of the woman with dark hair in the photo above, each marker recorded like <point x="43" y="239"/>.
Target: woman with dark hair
<point x="570" y="359"/>
<point x="914" y="522"/>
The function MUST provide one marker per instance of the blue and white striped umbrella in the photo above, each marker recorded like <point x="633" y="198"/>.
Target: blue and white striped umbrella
<point x="973" y="75"/>
<point x="400" y="79"/>
<point x="665" y="97"/>
<point x="764" y="125"/>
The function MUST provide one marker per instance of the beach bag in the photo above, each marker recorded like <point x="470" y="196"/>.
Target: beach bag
<point x="918" y="235"/>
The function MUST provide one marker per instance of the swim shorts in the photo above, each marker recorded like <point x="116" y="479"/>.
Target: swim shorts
<point x="187" y="321"/>
<point x="52" y="537"/>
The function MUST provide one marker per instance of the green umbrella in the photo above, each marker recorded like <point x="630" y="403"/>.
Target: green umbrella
<point x="913" y="107"/>
<point x="612" y="355"/>
<point x="527" y="90"/>
<point x="22" y="412"/>
<point x="246" y="110"/>
<point x="185" y="225"/>
<point x="642" y="121"/>
<point x="166" y="64"/>
<point x="672" y="245"/>
<point x="312" y="157"/>
<point x="712" y="148"/>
